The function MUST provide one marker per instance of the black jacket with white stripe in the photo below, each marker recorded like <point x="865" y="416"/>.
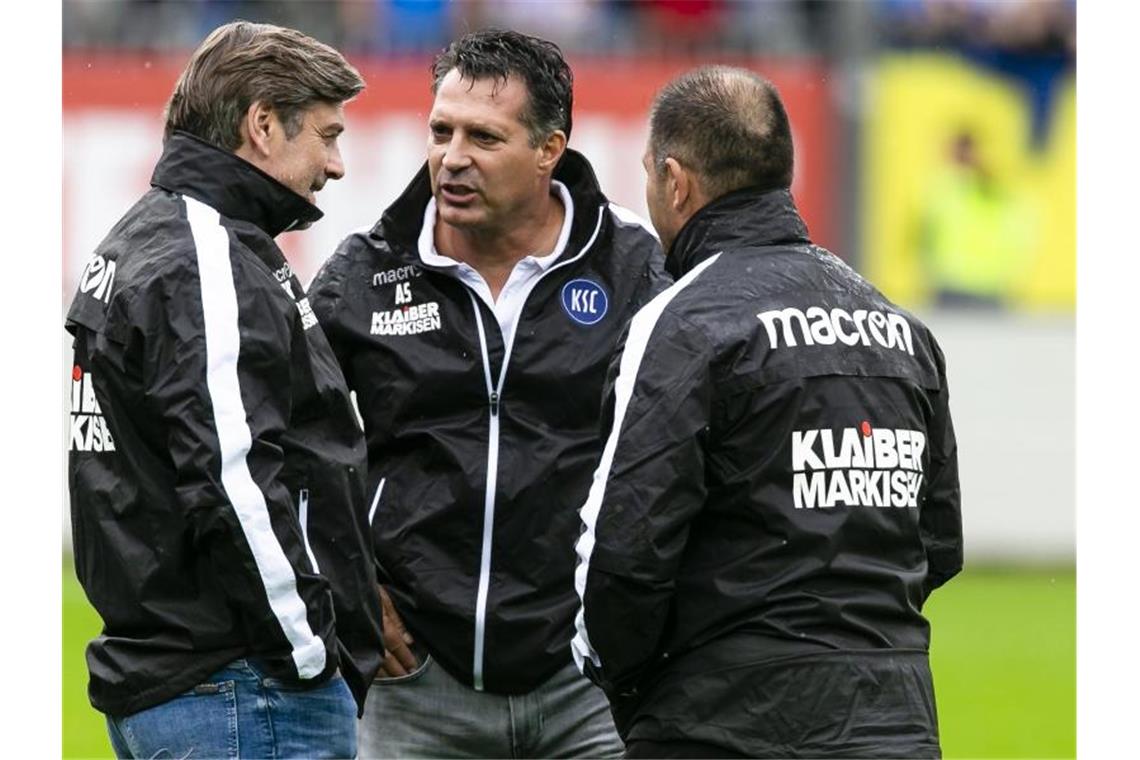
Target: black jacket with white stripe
<point x="480" y="450"/>
<point x="216" y="466"/>
<point x="777" y="497"/>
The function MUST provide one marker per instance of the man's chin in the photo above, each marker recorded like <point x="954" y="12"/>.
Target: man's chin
<point x="459" y="216"/>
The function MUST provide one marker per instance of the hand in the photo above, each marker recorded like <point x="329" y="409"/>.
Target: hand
<point x="399" y="660"/>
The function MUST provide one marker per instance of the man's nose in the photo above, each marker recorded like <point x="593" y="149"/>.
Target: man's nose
<point x="455" y="155"/>
<point x="334" y="167"/>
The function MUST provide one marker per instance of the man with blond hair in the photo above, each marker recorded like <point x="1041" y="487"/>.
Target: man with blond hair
<point x="216" y="467"/>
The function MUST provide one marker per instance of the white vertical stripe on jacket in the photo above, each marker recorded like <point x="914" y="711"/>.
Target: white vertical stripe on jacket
<point x="640" y="328"/>
<point x="223" y="343"/>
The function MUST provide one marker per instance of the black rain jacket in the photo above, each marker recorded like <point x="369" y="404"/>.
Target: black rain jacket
<point x="216" y="466"/>
<point x="777" y="497"/>
<point x="480" y="453"/>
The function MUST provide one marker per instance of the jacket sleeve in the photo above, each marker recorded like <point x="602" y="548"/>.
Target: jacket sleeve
<point x="655" y="279"/>
<point x="647" y="489"/>
<point x="214" y="350"/>
<point x="330" y="299"/>
<point x="940" y="521"/>
<point x="644" y="246"/>
<point x="326" y="296"/>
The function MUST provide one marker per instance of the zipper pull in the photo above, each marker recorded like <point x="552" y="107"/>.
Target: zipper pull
<point x="494" y="403"/>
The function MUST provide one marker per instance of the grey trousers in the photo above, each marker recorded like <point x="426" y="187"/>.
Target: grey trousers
<point x="427" y="713"/>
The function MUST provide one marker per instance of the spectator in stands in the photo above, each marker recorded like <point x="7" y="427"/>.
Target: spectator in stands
<point x="976" y="234"/>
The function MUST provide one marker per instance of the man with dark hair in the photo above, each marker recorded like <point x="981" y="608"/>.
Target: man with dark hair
<point x="778" y="492"/>
<point x="216" y="466"/>
<point x="475" y="322"/>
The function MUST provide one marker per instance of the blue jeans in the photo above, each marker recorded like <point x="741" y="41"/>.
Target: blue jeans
<point x="427" y="713"/>
<point x="238" y="712"/>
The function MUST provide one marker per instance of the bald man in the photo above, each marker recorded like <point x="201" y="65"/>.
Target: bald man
<point x="778" y="492"/>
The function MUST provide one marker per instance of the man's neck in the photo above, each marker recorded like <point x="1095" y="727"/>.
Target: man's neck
<point x="493" y="253"/>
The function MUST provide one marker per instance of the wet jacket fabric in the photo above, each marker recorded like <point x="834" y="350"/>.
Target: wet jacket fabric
<point x="480" y="453"/>
<point x="777" y="498"/>
<point x="216" y="466"/>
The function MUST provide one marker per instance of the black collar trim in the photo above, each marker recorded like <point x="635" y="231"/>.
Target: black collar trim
<point x="231" y="185"/>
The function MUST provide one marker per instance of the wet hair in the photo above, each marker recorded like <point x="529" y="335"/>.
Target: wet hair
<point x="726" y="124"/>
<point x="242" y="63"/>
<point x="498" y="55"/>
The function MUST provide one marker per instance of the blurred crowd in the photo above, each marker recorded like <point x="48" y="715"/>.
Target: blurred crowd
<point x="1029" y="27"/>
<point x="395" y="27"/>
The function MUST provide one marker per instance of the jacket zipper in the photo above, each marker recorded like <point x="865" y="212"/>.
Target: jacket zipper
<point x="488" y="500"/>
<point x="494" y="395"/>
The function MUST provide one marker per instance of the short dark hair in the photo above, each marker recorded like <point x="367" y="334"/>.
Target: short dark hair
<point x="242" y="63"/>
<point x="726" y="124"/>
<point x="498" y="54"/>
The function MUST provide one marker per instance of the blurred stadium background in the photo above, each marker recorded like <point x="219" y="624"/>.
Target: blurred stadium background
<point x="936" y="153"/>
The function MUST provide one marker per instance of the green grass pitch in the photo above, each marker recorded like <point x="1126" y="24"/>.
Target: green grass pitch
<point x="1003" y="651"/>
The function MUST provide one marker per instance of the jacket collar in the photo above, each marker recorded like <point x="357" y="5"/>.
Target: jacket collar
<point x="231" y="185"/>
<point x="403" y="220"/>
<point x="744" y="218"/>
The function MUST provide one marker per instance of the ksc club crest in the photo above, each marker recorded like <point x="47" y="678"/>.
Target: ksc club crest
<point x="585" y="301"/>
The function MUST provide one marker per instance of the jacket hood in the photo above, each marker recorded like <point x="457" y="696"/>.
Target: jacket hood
<point x="236" y="188"/>
<point x="745" y="218"/>
<point x="401" y="223"/>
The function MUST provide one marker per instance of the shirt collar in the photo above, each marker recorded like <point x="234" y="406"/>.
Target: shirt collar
<point x="433" y="258"/>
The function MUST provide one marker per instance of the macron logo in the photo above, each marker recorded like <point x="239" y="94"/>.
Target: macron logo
<point x="818" y="325"/>
<point x="98" y="278"/>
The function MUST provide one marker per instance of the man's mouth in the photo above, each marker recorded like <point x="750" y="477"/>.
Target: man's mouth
<point x="457" y="193"/>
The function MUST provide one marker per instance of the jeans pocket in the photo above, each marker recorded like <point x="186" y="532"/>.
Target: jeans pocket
<point x="414" y="675"/>
<point x="319" y="722"/>
<point x="281" y="684"/>
<point x="200" y="722"/>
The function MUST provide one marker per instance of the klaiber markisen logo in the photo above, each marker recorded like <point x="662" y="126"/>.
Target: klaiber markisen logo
<point x="88" y="427"/>
<point x="407" y="320"/>
<point x="864" y="466"/>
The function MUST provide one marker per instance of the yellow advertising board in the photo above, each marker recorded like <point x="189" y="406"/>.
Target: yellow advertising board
<point x="957" y="195"/>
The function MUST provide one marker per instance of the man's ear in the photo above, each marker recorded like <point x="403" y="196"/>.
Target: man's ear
<point x="551" y="150"/>
<point x="257" y="128"/>
<point x="679" y="185"/>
